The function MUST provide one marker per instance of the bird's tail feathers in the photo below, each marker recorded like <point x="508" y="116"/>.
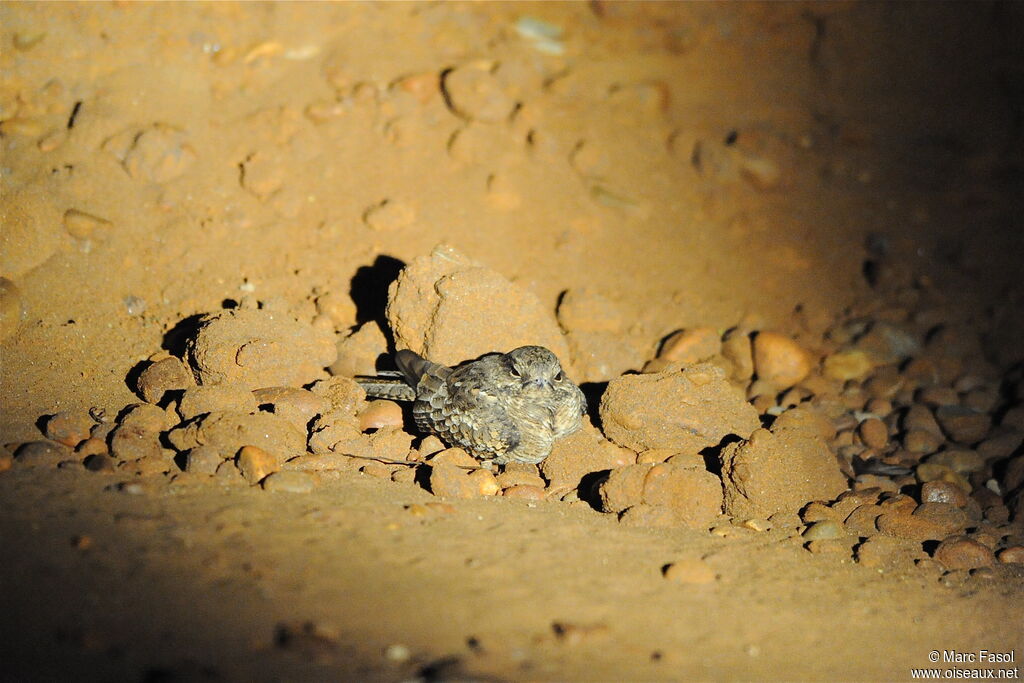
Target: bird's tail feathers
<point x="391" y="388"/>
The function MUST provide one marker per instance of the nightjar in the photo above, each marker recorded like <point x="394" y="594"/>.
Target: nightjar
<point x="502" y="407"/>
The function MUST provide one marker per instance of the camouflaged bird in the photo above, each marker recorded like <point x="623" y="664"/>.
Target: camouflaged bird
<point x="503" y="407"/>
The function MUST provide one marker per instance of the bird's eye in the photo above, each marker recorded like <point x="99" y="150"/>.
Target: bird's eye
<point x="514" y="372"/>
<point x="558" y="377"/>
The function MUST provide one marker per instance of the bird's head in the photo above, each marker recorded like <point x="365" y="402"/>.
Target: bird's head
<point x="534" y="366"/>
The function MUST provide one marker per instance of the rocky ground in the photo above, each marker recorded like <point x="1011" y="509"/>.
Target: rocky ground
<point x="779" y="257"/>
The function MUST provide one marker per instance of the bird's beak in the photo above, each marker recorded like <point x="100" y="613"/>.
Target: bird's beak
<point x="540" y="383"/>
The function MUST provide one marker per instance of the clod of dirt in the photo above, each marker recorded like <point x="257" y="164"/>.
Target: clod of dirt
<point x="780" y="470"/>
<point x="341" y="393"/>
<point x="215" y="397"/>
<point x="257" y="349"/>
<point x="168" y="374"/>
<point x="229" y="431"/>
<point x="691" y="497"/>
<point x="358" y="352"/>
<point x="156" y="153"/>
<point x="129" y="442"/>
<point x="298" y="406"/>
<point x="450" y="309"/>
<point x="203" y="460"/>
<point x="691" y="345"/>
<point x="687" y="409"/>
<point x="887" y="552"/>
<point x="580" y="454"/>
<point x="337" y="432"/>
<point x="69" y="427"/>
<point x="450" y="481"/>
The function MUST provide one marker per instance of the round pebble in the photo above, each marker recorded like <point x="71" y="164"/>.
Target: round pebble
<point x="873" y="433"/>
<point x="1014" y="554"/>
<point x="943" y="492"/>
<point x="824" y="530"/>
<point x="288" y="481"/>
<point x="779" y="360"/>
<point x="69" y="427"/>
<point x="379" y="414"/>
<point x="961" y="552"/>
<point x="255" y="464"/>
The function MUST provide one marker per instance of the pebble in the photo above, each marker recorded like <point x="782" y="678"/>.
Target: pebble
<point x="824" y="530"/>
<point x="129" y="443"/>
<point x="691" y="572"/>
<point x="157" y="153"/>
<point x="100" y="462"/>
<point x="779" y="360"/>
<point x="69" y="427"/>
<point x="937" y="396"/>
<point x="168" y="374"/>
<point x="862" y="520"/>
<point x="920" y="441"/>
<point x="943" y="492"/>
<point x="873" y="433"/>
<point x="849" y="364"/>
<point x="144" y="418"/>
<point x="691" y="346"/>
<point x="884" y="552"/>
<point x="510" y="478"/>
<point x="450" y="481"/>
<point x="524" y="492"/>
<point x="203" y="460"/>
<point x="380" y="414"/>
<point x="291" y="482"/>
<point x="963" y="425"/>
<point x="961" y="552"/>
<point x="1014" y="554"/>
<point x="255" y="464"/>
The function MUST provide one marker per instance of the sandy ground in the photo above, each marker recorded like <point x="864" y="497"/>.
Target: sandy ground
<point x="702" y="165"/>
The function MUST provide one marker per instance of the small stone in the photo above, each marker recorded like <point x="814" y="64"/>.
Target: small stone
<point x="69" y="427"/>
<point x="850" y="364"/>
<point x="100" y="462"/>
<point x="862" y="521"/>
<point x="779" y="360"/>
<point x="691" y="346"/>
<point x="168" y="374"/>
<point x="937" y="396"/>
<point x="920" y="441"/>
<point x="961" y="552"/>
<point x="963" y="425"/>
<point x="1013" y="554"/>
<point x="144" y="417"/>
<point x="203" y="460"/>
<point x="873" y="433"/>
<point x="129" y="442"/>
<point x="943" y="492"/>
<point x="255" y="464"/>
<point x="510" y="478"/>
<point x="454" y="482"/>
<point x="691" y="572"/>
<point x="380" y="414"/>
<point x="289" y="481"/>
<point x="524" y="492"/>
<point x="824" y="530"/>
<point x="297" y="406"/>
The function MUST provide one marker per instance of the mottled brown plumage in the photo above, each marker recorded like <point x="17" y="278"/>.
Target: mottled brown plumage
<point x="505" y="407"/>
